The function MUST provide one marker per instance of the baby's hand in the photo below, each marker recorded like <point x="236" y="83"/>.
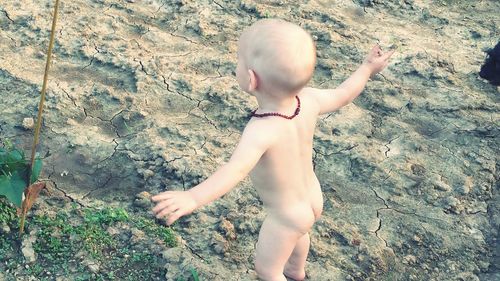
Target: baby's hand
<point x="377" y="60"/>
<point x="173" y="205"/>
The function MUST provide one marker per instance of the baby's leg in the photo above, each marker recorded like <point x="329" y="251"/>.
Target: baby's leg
<point x="275" y="245"/>
<point x="295" y="266"/>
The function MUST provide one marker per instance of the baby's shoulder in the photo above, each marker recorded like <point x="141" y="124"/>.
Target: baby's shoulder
<point x="262" y="125"/>
<point x="263" y="129"/>
<point x="309" y="102"/>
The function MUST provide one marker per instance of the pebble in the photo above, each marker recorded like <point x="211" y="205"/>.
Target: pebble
<point x="360" y="258"/>
<point x="91" y="265"/>
<point x="28" y="123"/>
<point x="247" y="226"/>
<point x="227" y="229"/>
<point x="113" y="231"/>
<point x="409" y="259"/>
<point x="147" y="173"/>
<point x="219" y="244"/>
<point x="417" y="239"/>
<point x="40" y="55"/>
<point x="439" y="185"/>
<point x="418" y="170"/>
<point x="143" y="200"/>
<point x="4" y="228"/>
<point x="451" y="202"/>
<point x="172" y="255"/>
<point x="137" y="235"/>
<point x="27" y="248"/>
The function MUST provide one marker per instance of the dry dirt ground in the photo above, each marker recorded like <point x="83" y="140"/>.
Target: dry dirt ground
<point x="142" y="97"/>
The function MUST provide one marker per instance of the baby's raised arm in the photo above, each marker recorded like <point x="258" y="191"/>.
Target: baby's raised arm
<point x="332" y="99"/>
<point x="253" y="143"/>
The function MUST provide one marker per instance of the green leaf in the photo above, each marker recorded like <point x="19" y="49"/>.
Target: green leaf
<point x="13" y="187"/>
<point x="194" y="273"/>
<point x="12" y="161"/>
<point x="37" y="167"/>
<point x="3" y="158"/>
<point x="18" y="181"/>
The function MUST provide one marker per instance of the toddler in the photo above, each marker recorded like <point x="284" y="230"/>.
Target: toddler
<point x="275" y="61"/>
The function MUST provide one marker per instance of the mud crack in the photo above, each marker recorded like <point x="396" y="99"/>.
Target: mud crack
<point x="379" y="218"/>
<point x="387" y="146"/>
<point x="7" y="16"/>
<point x="54" y="184"/>
<point x="110" y="121"/>
<point x="93" y="57"/>
<point x="387" y="207"/>
<point x="218" y="4"/>
<point x="67" y="94"/>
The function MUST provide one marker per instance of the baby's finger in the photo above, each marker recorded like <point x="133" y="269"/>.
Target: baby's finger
<point x="388" y="55"/>
<point x="162" y="205"/>
<point x="162" y="196"/>
<point x="175" y="216"/>
<point x="165" y="212"/>
<point x="374" y="51"/>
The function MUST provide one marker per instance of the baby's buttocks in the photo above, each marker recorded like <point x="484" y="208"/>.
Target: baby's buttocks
<point x="316" y="199"/>
<point x="317" y="207"/>
<point x="300" y="215"/>
<point x="299" y="218"/>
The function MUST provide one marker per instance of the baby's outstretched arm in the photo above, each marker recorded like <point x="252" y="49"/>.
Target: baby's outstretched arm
<point x="333" y="99"/>
<point x="252" y="145"/>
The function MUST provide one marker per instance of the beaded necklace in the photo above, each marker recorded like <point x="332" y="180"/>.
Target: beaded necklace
<point x="297" y="110"/>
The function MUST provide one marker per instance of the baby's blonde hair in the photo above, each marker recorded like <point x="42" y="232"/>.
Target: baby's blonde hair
<point x="282" y="54"/>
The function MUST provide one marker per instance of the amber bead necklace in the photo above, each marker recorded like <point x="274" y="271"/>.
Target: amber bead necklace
<point x="297" y="110"/>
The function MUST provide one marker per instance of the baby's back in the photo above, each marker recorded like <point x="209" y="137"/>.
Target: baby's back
<point x="284" y="176"/>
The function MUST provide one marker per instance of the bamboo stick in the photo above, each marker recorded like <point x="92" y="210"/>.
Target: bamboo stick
<point x="40" y="111"/>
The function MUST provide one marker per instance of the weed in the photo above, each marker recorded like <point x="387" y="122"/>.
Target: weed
<point x="66" y="239"/>
<point x="164" y="233"/>
<point x="7" y="212"/>
<point x="105" y="216"/>
<point x="266" y="14"/>
<point x="194" y="275"/>
<point x="141" y="29"/>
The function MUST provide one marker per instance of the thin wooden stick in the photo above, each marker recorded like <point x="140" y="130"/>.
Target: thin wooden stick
<point x="40" y="110"/>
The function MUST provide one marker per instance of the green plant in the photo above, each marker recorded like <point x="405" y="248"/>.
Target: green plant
<point x="105" y="216"/>
<point x="7" y="213"/>
<point x="72" y="235"/>
<point x="14" y="170"/>
<point x="164" y="233"/>
<point x="194" y="275"/>
<point x="17" y="177"/>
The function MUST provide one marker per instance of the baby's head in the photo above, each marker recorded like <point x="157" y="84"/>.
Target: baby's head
<point x="276" y="57"/>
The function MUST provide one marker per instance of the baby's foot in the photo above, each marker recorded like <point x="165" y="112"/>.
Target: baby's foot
<point x="295" y="274"/>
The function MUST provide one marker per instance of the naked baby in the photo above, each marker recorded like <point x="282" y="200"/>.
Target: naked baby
<point x="276" y="60"/>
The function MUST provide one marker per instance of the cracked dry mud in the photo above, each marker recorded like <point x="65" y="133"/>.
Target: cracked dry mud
<point x="142" y="96"/>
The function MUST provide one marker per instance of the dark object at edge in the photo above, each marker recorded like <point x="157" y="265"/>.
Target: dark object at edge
<point x="491" y="67"/>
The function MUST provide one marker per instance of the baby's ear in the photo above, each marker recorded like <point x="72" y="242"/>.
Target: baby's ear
<point x="253" y="81"/>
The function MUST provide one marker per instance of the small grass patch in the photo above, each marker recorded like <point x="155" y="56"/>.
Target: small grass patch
<point x="163" y="233"/>
<point x="67" y="242"/>
<point x="7" y="212"/>
<point x="193" y="276"/>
